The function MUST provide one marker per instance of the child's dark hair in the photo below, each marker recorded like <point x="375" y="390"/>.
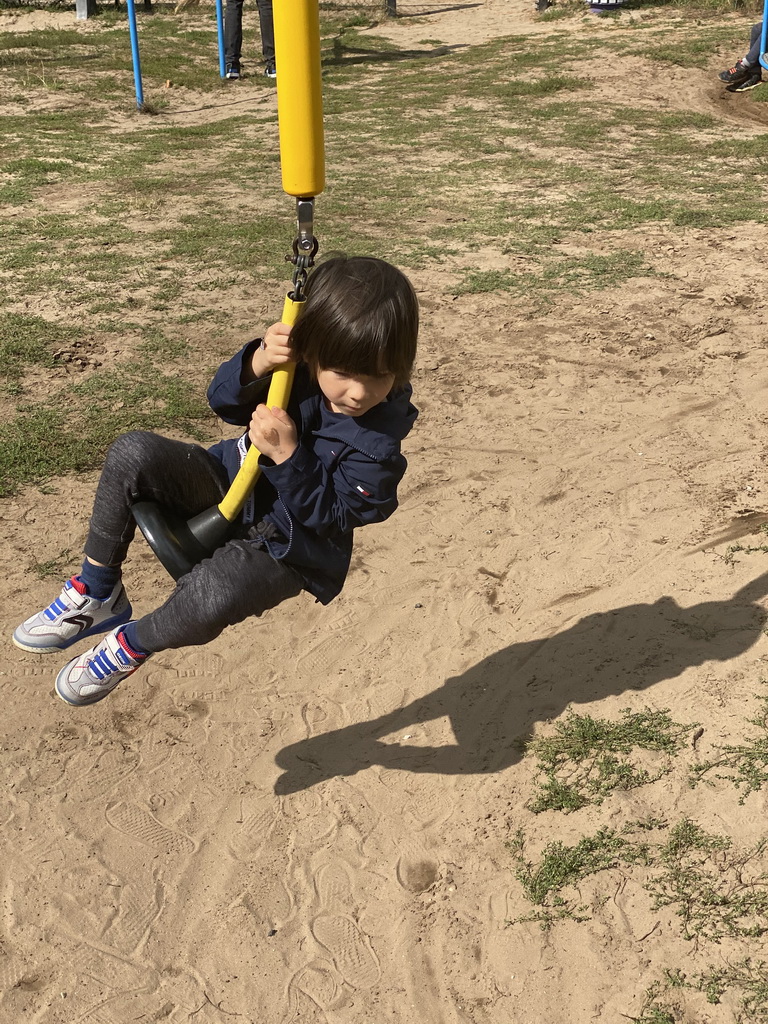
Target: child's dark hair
<point x="361" y="316"/>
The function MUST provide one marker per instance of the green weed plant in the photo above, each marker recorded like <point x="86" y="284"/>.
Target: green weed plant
<point x="715" y="890"/>
<point x="587" y="758"/>
<point x="743" y="764"/>
<point x="746" y="549"/>
<point x="746" y="978"/>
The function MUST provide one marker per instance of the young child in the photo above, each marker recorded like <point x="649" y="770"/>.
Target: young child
<point x="746" y="73"/>
<point x="330" y="463"/>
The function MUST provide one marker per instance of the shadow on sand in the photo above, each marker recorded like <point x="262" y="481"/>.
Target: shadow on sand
<point x="345" y="56"/>
<point x="493" y="705"/>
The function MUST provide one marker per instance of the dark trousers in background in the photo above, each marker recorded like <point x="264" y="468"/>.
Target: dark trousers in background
<point x="753" y="57"/>
<point x="233" y="31"/>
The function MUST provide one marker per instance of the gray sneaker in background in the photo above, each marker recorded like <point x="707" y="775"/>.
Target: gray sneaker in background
<point x="71" y="617"/>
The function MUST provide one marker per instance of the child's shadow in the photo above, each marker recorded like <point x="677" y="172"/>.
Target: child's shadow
<point x="493" y="705"/>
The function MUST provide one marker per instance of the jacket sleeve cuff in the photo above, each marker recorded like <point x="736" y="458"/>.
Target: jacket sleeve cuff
<point x="226" y="390"/>
<point x="245" y="358"/>
<point x="300" y="464"/>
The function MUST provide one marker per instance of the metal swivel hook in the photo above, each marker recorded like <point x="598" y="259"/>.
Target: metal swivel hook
<point x="305" y="246"/>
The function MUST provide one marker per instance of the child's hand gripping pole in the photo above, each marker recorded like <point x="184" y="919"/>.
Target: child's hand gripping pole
<point x="278" y="395"/>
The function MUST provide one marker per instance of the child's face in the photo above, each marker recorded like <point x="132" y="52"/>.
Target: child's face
<point x="352" y="394"/>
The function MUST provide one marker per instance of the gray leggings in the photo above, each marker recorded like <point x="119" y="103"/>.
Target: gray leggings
<point x="239" y="580"/>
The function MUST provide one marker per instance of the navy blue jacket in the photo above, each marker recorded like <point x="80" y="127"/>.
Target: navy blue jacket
<point x="343" y="474"/>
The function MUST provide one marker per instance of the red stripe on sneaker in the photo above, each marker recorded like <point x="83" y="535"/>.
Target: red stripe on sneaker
<point x="79" y="586"/>
<point x="128" y="649"/>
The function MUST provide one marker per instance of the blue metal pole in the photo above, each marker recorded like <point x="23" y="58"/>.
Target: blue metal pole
<point x="135" y="53"/>
<point x="220" y="32"/>
<point x="764" y="37"/>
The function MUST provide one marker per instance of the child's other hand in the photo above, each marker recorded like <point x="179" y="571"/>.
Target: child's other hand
<point x="275" y="350"/>
<point x="273" y="432"/>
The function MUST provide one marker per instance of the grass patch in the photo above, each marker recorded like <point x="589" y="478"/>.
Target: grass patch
<point x="746" y="549"/>
<point x="27" y="341"/>
<point x="717" y="891"/>
<point x="54" y="568"/>
<point x="71" y="432"/>
<point x="745" y="979"/>
<point x="587" y="758"/>
<point x="574" y="274"/>
<point x="744" y="764"/>
<point x="748" y="978"/>
<point x="551" y="885"/>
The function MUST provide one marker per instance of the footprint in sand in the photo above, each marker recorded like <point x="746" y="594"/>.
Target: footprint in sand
<point x="139" y="824"/>
<point x="32" y="839"/>
<point x="269" y="891"/>
<point x="12" y="971"/>
<point x="270" y="903"/>
<point x="325" y="655"/>
<point x="99" y="1015"/>
<point x="322" y="715"/>
<point x="319" y="982"/>
<point x="137" y="909"/>
<point x="103" y="774"/>
<point x="251" y="833"/>
<point x="432" y="802"/>
<point x="312" y="817"/>
<point x="125" y="1006"/>
<point x="302" y="1009"/>
<point x="349" y="948"/>
<point x="200" y="665"/>
<point x="108" y="968"/>
<point x="333" y="885"/>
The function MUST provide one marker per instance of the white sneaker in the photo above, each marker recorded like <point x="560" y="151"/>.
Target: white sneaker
<point x="71" y="617"/>
<point x="92" y="676"/>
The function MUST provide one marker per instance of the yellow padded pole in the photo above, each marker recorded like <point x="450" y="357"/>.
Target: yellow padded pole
<point x="299" y="96"/>
<point x="278" y="395"/>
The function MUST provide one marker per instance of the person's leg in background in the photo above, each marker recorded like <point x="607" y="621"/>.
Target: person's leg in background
<point x="233" y="37"/>
<point x="746" y="73"/>
<point x="753" y="57"/>
<point x="267" y="27"/>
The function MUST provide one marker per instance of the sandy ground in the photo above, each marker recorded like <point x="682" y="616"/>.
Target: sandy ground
<point x="306" y="822"/>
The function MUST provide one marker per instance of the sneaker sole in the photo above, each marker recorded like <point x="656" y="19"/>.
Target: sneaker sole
<point x="744" y="88"/>
<point x="81" y="703"/>
<point x="103" y="627"/>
